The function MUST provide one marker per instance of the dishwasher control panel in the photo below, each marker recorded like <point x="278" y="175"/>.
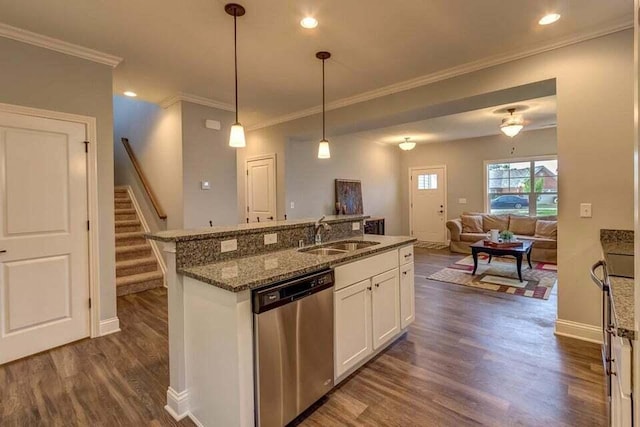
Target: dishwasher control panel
<point x="283" y="292"/>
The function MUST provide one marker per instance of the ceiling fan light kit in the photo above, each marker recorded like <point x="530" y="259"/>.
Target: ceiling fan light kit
<point x="512" y="125"/>
<point x="407" y="145"/>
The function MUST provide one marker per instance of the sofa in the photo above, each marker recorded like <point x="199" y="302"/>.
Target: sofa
<point x="473" y="226"/>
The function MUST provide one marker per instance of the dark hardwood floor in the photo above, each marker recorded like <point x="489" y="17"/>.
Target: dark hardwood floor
<point x="472" y="357"/>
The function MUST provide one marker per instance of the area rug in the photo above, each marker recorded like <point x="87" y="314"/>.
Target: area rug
<point x="501" y="276"/>
<point x="430" y="245"/>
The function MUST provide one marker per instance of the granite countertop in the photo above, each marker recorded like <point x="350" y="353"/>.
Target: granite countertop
<point x="256" y="271"/>
<point x="235" y="230"/>
<point x="621" y="289"/>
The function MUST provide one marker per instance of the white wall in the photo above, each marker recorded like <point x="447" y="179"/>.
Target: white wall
<point x="465" y="159"/>
<point x="40" y="78"/>
<point x="155" y="135"/>
<point x="594" y="81"/>
<point x="207" y="156"/>
<point x="311" y="181"/>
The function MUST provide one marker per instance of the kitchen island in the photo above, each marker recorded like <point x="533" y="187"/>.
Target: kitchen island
<point x="211" y="321"/>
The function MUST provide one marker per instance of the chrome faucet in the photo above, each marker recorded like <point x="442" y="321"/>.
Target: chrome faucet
<point x="318" y="226"/>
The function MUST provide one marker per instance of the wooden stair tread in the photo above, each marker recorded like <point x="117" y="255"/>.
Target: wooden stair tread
<point x="124" y="235"/>
<point x="125" y="211"/>
<point x="133" y="248"/>
<point x="137" y="278"/>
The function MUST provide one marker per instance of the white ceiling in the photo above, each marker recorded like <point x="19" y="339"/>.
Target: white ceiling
<point x="537" y="114"/>
<point x="173" y="46"/>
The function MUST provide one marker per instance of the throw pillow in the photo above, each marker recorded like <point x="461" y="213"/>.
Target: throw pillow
<point x="547" y="229"/>
<point x="497" y="222"/>
<point x="522" y="225"/>
<point x="471" y="223"/>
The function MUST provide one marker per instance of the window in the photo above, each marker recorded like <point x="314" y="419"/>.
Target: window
<point x="525" y="187"/>
<point x="428" y="182"/>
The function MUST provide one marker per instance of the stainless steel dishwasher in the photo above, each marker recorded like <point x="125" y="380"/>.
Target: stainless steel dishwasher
<point x="293" y="344"/>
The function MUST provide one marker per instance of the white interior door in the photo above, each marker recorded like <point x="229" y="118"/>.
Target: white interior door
<point x="428" y="204"/>
<point x="261" y="189"/>
<point x="44" y="262"/>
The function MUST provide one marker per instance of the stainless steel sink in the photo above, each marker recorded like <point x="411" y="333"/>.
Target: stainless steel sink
<point x="350" y="246"/>
<point x="323" y="251"/>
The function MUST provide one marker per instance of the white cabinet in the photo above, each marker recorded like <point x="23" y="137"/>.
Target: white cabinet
<point x="373" y="301"/>
<point x="385" y="307"/>
<point x="621" y="401"/>
<point x="352" y="326"/>
<point x="407" y="295"/>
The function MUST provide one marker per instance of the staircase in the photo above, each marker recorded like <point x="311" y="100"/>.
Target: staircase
<point x="136" y="266"/>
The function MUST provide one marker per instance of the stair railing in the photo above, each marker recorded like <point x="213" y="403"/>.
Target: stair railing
<point x="145" y="182"/>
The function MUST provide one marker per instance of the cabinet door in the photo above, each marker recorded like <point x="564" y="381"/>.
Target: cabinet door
<point x="407" y="295"/>
<point x="385" y="307"/>
<point x="352" y="326"/>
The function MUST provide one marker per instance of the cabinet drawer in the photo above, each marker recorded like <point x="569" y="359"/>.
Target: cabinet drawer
<point x="406" y="255"/>
<point x="357" y="271"/>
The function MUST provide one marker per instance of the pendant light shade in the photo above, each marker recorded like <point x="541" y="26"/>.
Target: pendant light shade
<point x="236" y="136"/>
<point x="407" y="145"/>
<point x="512" y="125"/>
<point x="323" y="148"/>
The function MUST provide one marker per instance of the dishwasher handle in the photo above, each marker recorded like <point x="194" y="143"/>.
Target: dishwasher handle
<point x="601" y="283"/>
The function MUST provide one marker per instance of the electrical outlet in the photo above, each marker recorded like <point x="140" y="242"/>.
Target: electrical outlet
<point x="270" y="239"/>
<point x="462" y="201"/>
<point x="585" y="210"/>
<point x="355" y="226"/>
<point x="229" y="245"/>
<point x="205" y="185"/>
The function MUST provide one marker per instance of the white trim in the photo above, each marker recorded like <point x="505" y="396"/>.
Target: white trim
<point x="579" y="331"/>
<point x="145" y="227"/>
<point x="92" y="198"/>
<point x="58" y="45"/>
<point x="456" y="71"/>
<point x="275" y="180"/>
<point x="109" y="326"/>
<point x="446" y="199"/>
<point x="177" y="404"/>
<point x="195" y="99"/>
<point x="485" y="177"/>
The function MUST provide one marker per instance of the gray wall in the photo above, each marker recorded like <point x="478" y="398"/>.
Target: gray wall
<point x="311" y="181"/>
<point x="465" y="165"/>
<point x="155" y="135"/>
<point x="207" y="156"/>
<point x="40" y="78"/>
<point x="594" y="81"/>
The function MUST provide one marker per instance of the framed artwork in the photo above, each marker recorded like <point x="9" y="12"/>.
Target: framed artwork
<point x="349" y="196"/>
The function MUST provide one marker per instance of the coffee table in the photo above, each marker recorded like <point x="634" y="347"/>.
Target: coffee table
<point x="517" y="252"/>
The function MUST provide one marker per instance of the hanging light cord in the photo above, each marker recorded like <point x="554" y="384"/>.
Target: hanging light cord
<point x="323" y="108"/>
<point x="235" y="58"/>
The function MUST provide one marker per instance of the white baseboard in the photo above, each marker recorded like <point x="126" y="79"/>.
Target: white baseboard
<point x="579" y="331"/>
<point x="195" y="420"/>
<point x="109" y="326"/>
<point x="177" y="404"/>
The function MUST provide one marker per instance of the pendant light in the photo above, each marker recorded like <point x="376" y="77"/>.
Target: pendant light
<point x="512" y="125"/>
<point x="236" y="136"/>
<point x="323" y="147"/>
<point x="407" y="145"/>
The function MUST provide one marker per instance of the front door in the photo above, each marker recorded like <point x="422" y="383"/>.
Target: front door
<point x="428" y="204"/>
<point x="261" y="189"/>
<point x="44" y="263"/>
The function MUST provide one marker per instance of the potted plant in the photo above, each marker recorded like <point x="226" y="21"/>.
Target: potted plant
<point x="506" y="236"/>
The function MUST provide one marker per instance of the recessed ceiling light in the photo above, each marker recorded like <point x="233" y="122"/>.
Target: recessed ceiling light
<point x="549" y="19"/>
<point x="130" y="93"/>
<point x="309" y="22"/>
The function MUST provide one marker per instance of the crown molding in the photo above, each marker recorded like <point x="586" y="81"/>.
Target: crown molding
<point x="195" y="99"/>
<point x="449" y="73"/>
<point x="58" y="45"/>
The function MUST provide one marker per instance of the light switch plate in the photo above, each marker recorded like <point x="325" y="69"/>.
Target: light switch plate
<point x="585" y="210"/>
<point x="462" y="201"/>
<point x="229" y="245"/>
<point x="270" y="239"/>
<point x="355" y="226"/>
<point x="293" y="205"/>
<point x="212" y="124"/>
<point x="205" y="185"/>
